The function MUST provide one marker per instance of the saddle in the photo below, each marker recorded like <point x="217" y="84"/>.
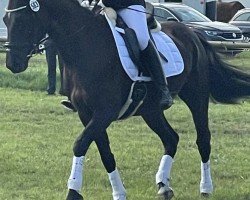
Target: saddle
<point x="129" y="35"/>
<point x="138" y="90"/>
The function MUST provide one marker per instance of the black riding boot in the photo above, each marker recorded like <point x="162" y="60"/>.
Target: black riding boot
<point x="152" y="62"/>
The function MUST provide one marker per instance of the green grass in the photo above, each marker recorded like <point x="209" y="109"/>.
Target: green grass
<point x="37" y="134"/>
<point x="242" y="61"/>
<point x="34" y="78"/>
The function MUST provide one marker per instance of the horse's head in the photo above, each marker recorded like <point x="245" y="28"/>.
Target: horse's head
<point x="26" y="25"/>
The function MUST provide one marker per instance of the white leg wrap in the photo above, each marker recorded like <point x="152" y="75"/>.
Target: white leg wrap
<point x="206" y="185"/>
<point x="75" y="179"/>
<point x="163" y="174"/>
<point x="119" y="192"/>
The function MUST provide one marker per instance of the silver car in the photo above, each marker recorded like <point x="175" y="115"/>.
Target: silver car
<point x="242" y="20"/>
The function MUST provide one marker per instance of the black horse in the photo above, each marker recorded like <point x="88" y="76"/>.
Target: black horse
<point x="99" y="86"/>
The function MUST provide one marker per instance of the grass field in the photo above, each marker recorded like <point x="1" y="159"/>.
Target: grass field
<point x="36" y="137"/>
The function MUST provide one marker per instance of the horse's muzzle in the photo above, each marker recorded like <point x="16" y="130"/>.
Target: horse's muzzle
<point x="16" y="63"/>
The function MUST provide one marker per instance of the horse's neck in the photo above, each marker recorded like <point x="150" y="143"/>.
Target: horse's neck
<point x="67" y="16"/>
<point x="67" y="20"/>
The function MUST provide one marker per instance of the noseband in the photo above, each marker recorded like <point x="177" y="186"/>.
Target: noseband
<point x="36" y="48"/>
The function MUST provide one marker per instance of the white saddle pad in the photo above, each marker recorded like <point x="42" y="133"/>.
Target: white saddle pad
<point x="164" y="44"/>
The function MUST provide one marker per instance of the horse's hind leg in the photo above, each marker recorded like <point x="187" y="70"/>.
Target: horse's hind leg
<point x="95" y="131"/>
<point x="157" y="122"/>
<point x="197" y="99"/>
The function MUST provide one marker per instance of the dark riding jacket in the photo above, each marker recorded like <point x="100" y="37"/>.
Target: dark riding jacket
<point x="119" y="4"/>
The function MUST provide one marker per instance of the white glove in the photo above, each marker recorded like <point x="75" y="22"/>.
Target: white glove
<point x="85" y="3"/>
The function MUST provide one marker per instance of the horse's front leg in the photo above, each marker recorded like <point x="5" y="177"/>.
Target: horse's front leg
<point x="102" y="142"/>
<point x="157" y="122"/>
<point x="95" y="131"/>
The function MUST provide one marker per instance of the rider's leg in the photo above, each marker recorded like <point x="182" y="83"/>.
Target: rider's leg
<point x="134" y="16"/>
<point x="150" y="56"/>
<point x="151" y="61"/>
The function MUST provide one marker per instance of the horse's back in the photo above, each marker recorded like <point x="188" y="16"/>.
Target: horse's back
<point x="191" y="49"/>
<point x="185" y="39"/>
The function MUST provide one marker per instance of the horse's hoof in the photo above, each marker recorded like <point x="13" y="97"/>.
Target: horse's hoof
<point x="205" y="195"/>
<point x="206" y="188"/>
<point x="74" y="195"/>
<point x="165" y="193"/>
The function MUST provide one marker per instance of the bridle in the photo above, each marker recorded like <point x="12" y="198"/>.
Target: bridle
<point x="16" y="9"/>
<point x="37" y="48"/>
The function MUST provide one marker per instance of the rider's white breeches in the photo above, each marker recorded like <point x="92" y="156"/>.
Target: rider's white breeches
<point x="138" y="22"/>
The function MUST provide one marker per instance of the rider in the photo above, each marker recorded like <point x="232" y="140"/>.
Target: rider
<point x="130" y="10"/>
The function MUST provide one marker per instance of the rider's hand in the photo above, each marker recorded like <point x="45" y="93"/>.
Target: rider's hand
<point x="85" y="3"/>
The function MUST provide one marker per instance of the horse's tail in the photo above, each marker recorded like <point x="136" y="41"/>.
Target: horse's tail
<point x="227" y="83"/>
